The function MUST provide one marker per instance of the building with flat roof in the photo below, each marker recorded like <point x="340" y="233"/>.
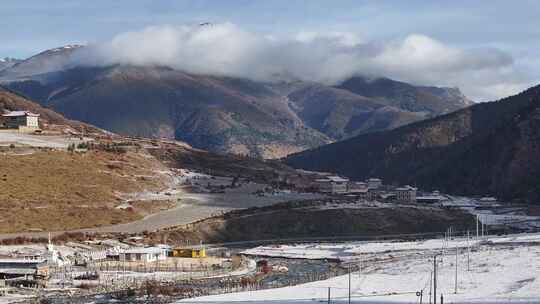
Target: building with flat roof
<point x="332" y="184"/>
<point x="193" y="252"/>
<point x="406" y="194"/>
<point x="374" y="183"/>
<point x="22" y="120"/>
<point x="147" y="254"/>
<point x="17" y="268"/>
<point x="353" y="187"/>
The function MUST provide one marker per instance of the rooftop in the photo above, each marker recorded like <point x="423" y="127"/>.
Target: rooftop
<point x="431" y="197"/>
<point x="406" y="188"/>
<point x="21" y="261"/>
<point x="337" y="179"/>
<point x="19" y="114"/>
<point x="147" y="250"/>
<point x="17" y="271"/>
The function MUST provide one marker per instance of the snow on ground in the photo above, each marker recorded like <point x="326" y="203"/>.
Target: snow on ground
<point x="14" y="298"/>
<point x="500" y="276"/>
<point x="361" y="204"/>
<point x="502" y="270"/>
<point x="351" y="251"/>
<point x="494" y="213"/>
<point x="7" y="250"/>
<point x="43" y="141"/>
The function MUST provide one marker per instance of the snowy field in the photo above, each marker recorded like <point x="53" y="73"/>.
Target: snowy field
<point x="494" y="213"/>
<point x="41" y="141"/>
<point x="497" y="270"/>
<point x="351" y="251"/>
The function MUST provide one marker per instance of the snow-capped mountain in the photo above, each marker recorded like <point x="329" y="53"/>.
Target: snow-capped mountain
<point x="45" y="62"/>
<point x="8" y="62"/>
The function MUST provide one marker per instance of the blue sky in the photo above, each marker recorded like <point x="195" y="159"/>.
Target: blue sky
<point x="30" y="26"/>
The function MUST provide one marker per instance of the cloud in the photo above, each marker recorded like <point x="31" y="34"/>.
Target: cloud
<point x="329" y="57"/>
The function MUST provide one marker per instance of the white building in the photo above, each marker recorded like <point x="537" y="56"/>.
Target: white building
<point x="374" y="183"/>
<point x="406" y="194"/>
<point x="353" y="187"/>
<point x="21" y="120"/>
<point x="149" y="254"/>
<point x="332" y="184"/>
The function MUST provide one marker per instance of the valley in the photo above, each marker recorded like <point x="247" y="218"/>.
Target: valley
<point x="277" y="152"/>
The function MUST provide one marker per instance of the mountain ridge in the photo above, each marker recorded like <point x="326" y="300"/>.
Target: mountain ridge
<point x="216" y="113"/>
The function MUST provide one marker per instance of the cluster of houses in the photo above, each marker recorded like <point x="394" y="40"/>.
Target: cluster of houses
<point x="372" y="189"/>
<point x="29" y="267"/>
<point x="32" y="267"/>
<point x="23" y="121"/>
<point x="159" y="253"/>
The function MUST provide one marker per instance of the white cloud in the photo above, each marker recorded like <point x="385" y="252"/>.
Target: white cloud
<point x="226" y="49"/>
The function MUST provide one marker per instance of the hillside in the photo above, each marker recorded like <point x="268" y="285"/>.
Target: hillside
<point x="312" y="219"/>
<point x="432" y="100"/>
<point x="57" y="190"/>
<point x="223" y="115"/>
<point x="220" y="114"/>
<point x="486" y="149"/>
<point x="115" y="182"/>
<point x="341" y="114"/>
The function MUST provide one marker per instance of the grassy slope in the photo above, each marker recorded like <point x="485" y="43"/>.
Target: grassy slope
<point x="53" y="190"/>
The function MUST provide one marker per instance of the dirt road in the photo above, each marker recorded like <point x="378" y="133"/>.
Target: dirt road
<point x="192" y="207"/>
<point x="38" y="141"/>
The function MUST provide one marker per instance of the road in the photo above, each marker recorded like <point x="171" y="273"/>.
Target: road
<point x="40" y="141"/>
<point x="192" y="207"/>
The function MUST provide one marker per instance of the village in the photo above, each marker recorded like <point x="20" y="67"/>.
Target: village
<point x="122" y="262"/>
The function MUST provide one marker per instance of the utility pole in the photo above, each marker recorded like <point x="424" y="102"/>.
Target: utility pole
<point x="477" y="220"/>
<point x="349" y="283"/>
<point x="455" y="279"/>
<point x="482" y="227"/>
<point x="328" y="295"/>
<point x="430" y="285"/>
<point x="468" y="253"/>
<point x="435" y="279"/>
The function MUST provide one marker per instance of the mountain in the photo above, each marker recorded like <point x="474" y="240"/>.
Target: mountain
<point x="341" y="114"/>
<point x="44" y="62"/>
<point x="220" y="114"/>
<point x="433" y="100"/>
<point x="8" y="62"/>
<point x="485" y="149"/>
